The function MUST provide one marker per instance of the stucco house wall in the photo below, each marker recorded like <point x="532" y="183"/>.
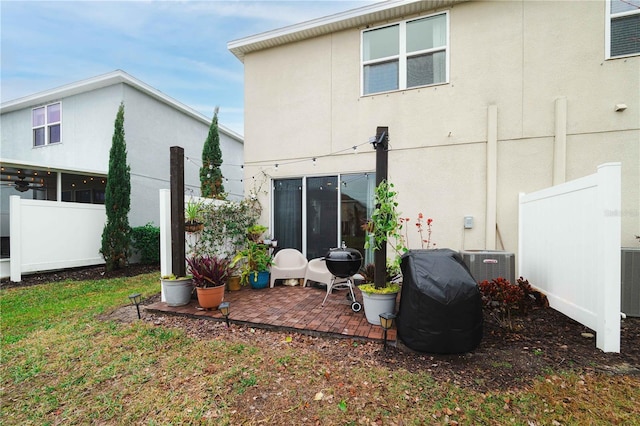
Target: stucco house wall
<point x="532" y="75"/>
<point x="153" y="123"/>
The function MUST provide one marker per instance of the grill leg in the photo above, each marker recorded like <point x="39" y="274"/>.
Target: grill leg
<point x="329" y="287"/>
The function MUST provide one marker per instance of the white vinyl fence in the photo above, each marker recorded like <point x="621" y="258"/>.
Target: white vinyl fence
<point x="49" y="235"/>
<point x="569" y="248"/>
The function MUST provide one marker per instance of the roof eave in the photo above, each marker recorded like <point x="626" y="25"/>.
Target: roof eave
<point x="378" y="12"/>
<point x="105" y="80"/>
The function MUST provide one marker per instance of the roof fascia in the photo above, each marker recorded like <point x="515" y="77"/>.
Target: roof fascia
<point x="105" y="80"/>
<point x="377" y="12"/>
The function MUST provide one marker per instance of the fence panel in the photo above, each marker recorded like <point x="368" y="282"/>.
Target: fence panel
<point x="47" y="235"/>
<point x="569" y="247"/>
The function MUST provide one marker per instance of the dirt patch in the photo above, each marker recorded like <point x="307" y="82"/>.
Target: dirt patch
<point x="543" y="341"/>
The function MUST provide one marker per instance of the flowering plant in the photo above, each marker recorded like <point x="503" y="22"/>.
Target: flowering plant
<point x="420" y="226"/>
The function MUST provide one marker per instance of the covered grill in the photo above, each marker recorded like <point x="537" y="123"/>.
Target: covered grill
<point x="343" y="263"/>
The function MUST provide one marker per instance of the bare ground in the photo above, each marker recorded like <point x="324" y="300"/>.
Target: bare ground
<point x="544" y="341"/>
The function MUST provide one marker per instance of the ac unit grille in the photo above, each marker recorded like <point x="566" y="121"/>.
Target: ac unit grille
<point x="490" y="264"/>
<point x="630" y="286"/>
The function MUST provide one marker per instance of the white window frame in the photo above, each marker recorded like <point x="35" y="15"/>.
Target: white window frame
<point x="46" y="126"/>
<point x="402" y="55"/>
<point x="607" y="30"/>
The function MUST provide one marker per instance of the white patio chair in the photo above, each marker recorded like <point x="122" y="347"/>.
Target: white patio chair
<point x="288" y="263"/>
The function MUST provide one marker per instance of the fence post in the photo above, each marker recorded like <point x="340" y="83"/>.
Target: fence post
<point x="165" y="235"/>
<point x="608" y="241"/>
<point x="15" y="238"/>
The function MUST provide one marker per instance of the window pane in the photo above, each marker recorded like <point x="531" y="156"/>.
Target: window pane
<point x="426" y="69"/>
<point x="38" y="137"/>
<point x="53" y="113"/>
<point x="38" y="117"/>
<point x="54" y="133"/>
<point x="426" y="33"/>
<point x="322" y="215"/>
<point x="618" y="6"/>
<point x="381" y="43"/>
<point x="356" y="206"/>
<point x="381" y="77"/>
<point x="287" y="213"/>
<point x="625" y="35"/>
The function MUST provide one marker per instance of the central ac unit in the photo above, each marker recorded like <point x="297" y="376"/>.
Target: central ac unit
<point x="490" y="264"/>
<point x="630" y="285"/>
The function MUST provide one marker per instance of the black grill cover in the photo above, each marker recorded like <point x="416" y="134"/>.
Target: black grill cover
<point x="440" y="305"/>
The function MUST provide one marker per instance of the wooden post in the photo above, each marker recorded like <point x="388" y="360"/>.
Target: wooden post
<point x="177" y="211"/>
<point x="381" y="146"/>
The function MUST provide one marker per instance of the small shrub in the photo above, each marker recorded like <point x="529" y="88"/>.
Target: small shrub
<point x="146" y="241"/>
<point x="500" y="297"/>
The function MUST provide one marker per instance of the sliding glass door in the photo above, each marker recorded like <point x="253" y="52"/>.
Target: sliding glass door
<point x="287" y="222"/>
<point x="314" y="214"/>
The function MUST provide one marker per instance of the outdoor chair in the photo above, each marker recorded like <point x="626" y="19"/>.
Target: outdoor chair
<point x="317" y="271"/>
<point x="288" y="263"/>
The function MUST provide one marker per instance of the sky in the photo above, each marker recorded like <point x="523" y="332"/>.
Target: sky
<point x="177" y="47"/>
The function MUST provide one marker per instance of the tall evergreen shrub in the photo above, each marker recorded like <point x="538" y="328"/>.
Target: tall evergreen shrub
<point x="116" y="235"/>
<point x="210" y="174"/>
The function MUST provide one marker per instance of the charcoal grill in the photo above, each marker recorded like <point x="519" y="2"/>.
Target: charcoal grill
<point x="343" y="263"/>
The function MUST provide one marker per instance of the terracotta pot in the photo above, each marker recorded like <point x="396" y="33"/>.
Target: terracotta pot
<point x="233" y="284"/>
<point x="210" y="297"/>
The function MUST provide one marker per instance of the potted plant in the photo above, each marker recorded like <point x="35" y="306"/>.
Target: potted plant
<point x="193" y="216"/>
<point x="254" y="263"/>
<point x="176" y="290"/>
<point x="383" y="227"/>
<point x="210" y="275"/>
<point x="254" y="232"/>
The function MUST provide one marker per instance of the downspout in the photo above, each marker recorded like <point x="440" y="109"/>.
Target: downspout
<point x="492" y="177"/>
<point x="560" y="142"/>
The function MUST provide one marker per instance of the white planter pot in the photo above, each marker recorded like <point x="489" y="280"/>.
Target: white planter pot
<point x="376" y="304"/>
<point x="177" y="292"/>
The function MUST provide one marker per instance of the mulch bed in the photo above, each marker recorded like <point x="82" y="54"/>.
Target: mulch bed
<point x="543" y="341"/>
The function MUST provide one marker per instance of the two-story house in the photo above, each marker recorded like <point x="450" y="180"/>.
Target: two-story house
<point x="483" y="100"/>
<point x="55" y="145"/>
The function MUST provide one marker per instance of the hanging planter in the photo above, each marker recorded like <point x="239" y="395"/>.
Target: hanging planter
<point x="193" y="226"/>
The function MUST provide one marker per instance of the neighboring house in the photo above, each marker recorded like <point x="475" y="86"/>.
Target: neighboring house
<point x="483" y="101"/>
<point x="55" y="145"/>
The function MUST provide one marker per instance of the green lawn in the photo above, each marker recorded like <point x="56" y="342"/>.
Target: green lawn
<point x="62" y="365"/>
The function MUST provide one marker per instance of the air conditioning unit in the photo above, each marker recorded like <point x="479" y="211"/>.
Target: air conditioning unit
<point x="490" y="264"/>
<point x="630" y="285"/>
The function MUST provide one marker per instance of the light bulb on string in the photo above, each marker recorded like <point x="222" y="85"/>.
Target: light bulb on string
<point x="314" y="161"/>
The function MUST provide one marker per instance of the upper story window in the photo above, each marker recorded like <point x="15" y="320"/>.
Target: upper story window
<point x="405" y="55"/>
<point x="623" y="28"/>
<point x="46" y="122"/>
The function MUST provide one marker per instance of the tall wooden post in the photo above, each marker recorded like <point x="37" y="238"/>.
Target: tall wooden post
<point x="177" y="211"/>
<point x="381" y="146"/>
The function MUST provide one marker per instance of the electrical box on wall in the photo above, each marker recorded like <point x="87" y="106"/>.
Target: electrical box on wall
<point x="490" y="264"/>
<point x="468" y="222"/>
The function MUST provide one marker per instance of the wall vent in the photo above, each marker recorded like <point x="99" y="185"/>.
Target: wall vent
<point x="490" y="264"/>
<point x="630" y="286"/>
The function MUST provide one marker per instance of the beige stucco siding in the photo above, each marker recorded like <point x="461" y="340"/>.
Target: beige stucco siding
<point x="528" y="59"/>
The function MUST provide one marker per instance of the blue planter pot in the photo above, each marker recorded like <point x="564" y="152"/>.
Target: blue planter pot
<point x="259" y="280"/>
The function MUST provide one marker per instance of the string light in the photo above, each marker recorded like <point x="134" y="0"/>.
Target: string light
<point x="276" y="166"/>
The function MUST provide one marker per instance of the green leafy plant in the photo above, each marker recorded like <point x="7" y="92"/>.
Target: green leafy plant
<point x="116" y="235"/>
<point x="225" y="227"/>
<point x="251" y="260"/>
<point x="209" y="271"/>
<point x="255" y="231"/>
<point x="193" y="212"/>
<point x="145" y="240"/>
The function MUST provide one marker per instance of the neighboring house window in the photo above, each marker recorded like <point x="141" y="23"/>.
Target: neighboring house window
<point x="623" y="28"/>
<point x="405" y="55"/>
<point x="46" y="122"/>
